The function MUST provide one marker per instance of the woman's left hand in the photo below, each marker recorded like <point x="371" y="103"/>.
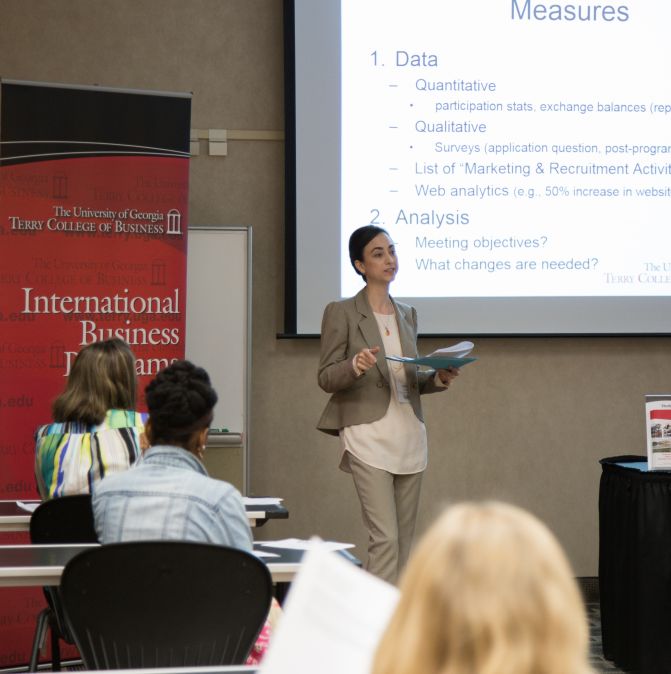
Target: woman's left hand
<point x="446" y="376"/>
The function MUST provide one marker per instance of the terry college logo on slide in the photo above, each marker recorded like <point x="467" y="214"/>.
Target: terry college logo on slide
<point x="174" y="222"/>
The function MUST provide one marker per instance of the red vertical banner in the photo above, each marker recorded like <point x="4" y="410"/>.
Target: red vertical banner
<point x="93" y="223"/>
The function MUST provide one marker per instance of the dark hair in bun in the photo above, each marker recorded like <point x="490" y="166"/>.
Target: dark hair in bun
<point x="181" y="401"/>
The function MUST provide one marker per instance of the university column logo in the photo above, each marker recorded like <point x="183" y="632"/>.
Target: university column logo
<point x="158" y="272"/>
<point x="57" y="357"/>
<point x="174" y="222"/>
<point x="60" y="186"/>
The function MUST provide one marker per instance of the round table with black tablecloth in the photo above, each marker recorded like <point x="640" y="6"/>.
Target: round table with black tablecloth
<point x="635" y="564"/>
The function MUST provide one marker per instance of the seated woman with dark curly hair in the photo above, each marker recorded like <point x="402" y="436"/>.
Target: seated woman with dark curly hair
<point x="168" y="493"/>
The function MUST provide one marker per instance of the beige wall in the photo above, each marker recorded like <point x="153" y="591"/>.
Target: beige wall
<point x="528" y="422"/>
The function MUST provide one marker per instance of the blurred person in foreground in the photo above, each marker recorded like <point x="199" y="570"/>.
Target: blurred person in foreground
<point x="487" y="591"/>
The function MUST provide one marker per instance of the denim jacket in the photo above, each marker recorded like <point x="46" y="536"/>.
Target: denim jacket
<point x="168" y="494"/>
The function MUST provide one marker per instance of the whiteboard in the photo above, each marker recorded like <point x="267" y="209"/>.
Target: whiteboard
<point x="218" y="296"/>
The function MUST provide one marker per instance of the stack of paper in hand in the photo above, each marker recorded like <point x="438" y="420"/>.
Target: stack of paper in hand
<point x="441" y="359"/>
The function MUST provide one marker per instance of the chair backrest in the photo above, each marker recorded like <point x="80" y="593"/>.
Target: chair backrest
<point x="165" y="604"/>
<point x="68" y="519"/>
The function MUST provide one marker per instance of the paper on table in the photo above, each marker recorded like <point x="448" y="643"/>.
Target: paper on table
<point x="263" y="553"/>
<point x="30" y="507"/>
<point x="261" y="500"/>
<point x="299" y="544"/>
<point x="334" y="616"/>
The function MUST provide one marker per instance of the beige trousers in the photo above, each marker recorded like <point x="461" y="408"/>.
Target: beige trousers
<point x="389" y="505"/>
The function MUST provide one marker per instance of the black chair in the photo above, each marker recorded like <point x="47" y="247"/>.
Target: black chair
<point x="68" y="519"/>
<point x="165" y="604"/>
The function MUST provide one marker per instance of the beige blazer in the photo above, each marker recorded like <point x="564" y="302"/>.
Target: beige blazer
<point x="347" y="327"/>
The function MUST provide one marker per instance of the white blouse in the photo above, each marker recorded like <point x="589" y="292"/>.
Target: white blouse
<point x="396" y="442"/>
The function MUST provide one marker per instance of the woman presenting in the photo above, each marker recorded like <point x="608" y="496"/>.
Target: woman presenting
<point x="375" y="406"/>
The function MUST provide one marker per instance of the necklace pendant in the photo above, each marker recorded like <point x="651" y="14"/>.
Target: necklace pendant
<point x="386" y="331"/>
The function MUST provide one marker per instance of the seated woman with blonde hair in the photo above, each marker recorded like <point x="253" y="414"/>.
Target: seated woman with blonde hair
<point x="96" y="430"/>
<point x="487" y="591"/>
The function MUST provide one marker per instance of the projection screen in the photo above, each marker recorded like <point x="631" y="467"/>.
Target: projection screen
<point x="517" y="152"/>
